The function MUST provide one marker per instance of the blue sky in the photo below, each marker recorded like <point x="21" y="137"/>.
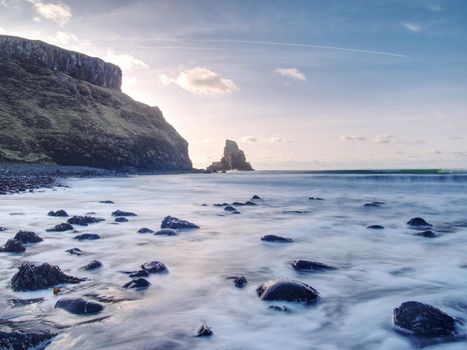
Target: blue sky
<point x="299" y="84"/>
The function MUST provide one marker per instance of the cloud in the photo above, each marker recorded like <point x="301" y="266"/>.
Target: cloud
<point x="3" y="31"/>
<point x="57" y="12"/>
<point x="277" y="140"/>
<point x="64" y="38"/>
<point x="383" y="139"/>
<point x="201" y="81"/>
<point x="292" y="73"/>
<point x="125" y="61"/>
<point x="352" y="138"/>
<point x="412" y="27"/>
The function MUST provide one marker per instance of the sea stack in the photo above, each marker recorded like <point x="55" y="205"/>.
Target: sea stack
<point x="233" y="159"/>
<point x="66" y="108"/>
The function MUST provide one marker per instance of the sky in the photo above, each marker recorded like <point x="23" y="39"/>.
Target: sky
<point x="312" y="84"/>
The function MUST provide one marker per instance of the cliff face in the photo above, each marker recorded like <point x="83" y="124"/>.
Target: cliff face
<point x="63" y="107"/>
<point x="233" y="159"/>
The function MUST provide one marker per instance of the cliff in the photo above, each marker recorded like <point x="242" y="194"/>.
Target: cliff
<point x="233" y="159"/>
<point x="66" y="108"/>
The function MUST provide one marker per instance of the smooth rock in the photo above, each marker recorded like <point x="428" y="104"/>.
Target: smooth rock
<point x="123" y="213"/>
<point x="255" y="197"/>
<point x="375" y="227"/>
<point x="315" y="199"/>
<point x="426" y="234"/>
<point x="175" y="223"/>
<point x="166" y="232"/>
<point x="423" y="320"/>
<point x="276" y="239"/>
<point x="83" y="220"/>
<point x="250" y="203"/>
<point x="74" y="251"/>
<point x="137" y="283"/>
<point x="310" y="266"/>
<point x="93" y="265"/>
<point x="418" y="222"/>
<point x="121" y="219"/>
<point x="34" y="277"/>
<point x="106" y="202"/>
<point x="145" y="230"/>
<point x="79" y="306"/>
<point x="230" y="208"/>
<point x="287" y="290"/>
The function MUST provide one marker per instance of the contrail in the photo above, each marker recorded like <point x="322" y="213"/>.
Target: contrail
<point x="270" y="43"/>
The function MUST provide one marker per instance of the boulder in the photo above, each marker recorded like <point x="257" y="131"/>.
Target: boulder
<point x="121" y="219"/>
<point x="310" y="266"/>
<point x="372" y="205"/>
<point x="423" y="320"/>
<point x="287" y="290"/>
<point x="65" y="226"/>
<point x="154" y="267"/>
<point x="27" y="237"/>
<point x="93" y="265"/>
<point x="239" y="281"/>
<point x="137" y="283"/>
<point x="123" y="213"/>
<point x="87" y="236"/>
<point x="230" y="208"/>
<point x="278" y="308"/>
<point x="418" y="222"/>
<point x="13" y="246"/>
<point x="145" y="230"/>
<point x="106" y="202"/>
<point x="35" y="277"/>
<point x="250" y="203"/>
<point x="204" y="331"/>
<point x="375" y="227"/>
<point x="59" y="213"/>
<point x="276" y="239"/>
<point x="255" y="197"/>
<point x="74" y="251"/>
<point x="166" y="232"/>
<point x="79" y="306"/>
<point x="426" y="234"/>
<point x="139" y="273"/>
<point x="25" y="335"/>
<point x="233" y="159"/>
<point x="315" y="199"/>
<point x="83" y="220"/>
<point x="175" y="223"/>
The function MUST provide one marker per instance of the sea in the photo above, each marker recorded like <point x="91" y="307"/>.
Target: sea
<point x="377" y="270"/>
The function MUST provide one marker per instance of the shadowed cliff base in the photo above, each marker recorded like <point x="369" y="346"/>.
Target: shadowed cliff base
<point x="65" y="108"/>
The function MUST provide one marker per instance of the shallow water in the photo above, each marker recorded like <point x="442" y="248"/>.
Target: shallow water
<point x="378" y="269"/>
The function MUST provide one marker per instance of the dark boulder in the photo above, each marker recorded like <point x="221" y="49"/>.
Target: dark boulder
<point x="278" y="308"/>
<point x="13" y="246"/>
<point x="106" y="202"/>
<point x="27" y="237"/>
<point x="83" y="220"/>
<point x="238" y="204"/>
<point x="155" y="267"/>
<point x="121" y="219"/>
<point x="250" y="203"/>
<point x="139" y="273"/>
<point x="426" y="234"/>
<point x="93" y="265"/>
<point x="87" y="237"/>
<point x="310" y="266"/>
<point x="293" y="212"/>
<point x="79" y="306"/>
<point x="137" y="283"/>
<point x="375" y="227"/>
<point x="239" y="281"/>
<point x="204" y="331"/>
<point x="287" y="290"/>
<point x="230" y="208"/>
<point x="372" y="205"/>
<point x="418" y="222"/>
<point x="166" y="232"/>
<point x="25" y="335"/>
<point x="315" y="199"/>
<point x="145" y="230"/>
<point x="2" y="229"/>
<point x="59" y="213"/>
<point x="175" y="223"/>
<point x="276" y="239"/>
<point x="255" y="197"/>
<point x="423" y="320"/>
<point x="74" y="251"/>
<point x="34" y="277"/>
<point x="123" y="213"/>
<point x="221" y="204"/>
<point x="65" y="226"/>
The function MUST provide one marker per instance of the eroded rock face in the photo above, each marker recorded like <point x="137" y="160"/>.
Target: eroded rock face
<point x="423" y="320"/>
<point x="287" y="290"/>
<point x="34" y="277"/>
<point x="66" y="108"/>
<point x="233" y="159"/>
<point x="25" y="335"/>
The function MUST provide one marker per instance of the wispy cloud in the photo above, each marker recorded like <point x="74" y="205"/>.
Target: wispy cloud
<point x="249" y="139"/>
<point x="125" y="61"/>
<point x="352" y="138"/>
<point x="292" y="73"/>
<point x="273" y="139"/>
<point x="383" y="139"/>
<point x="57" y="12"/>
<point x="412" y="27"/>
<point x="201" y="81"/>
